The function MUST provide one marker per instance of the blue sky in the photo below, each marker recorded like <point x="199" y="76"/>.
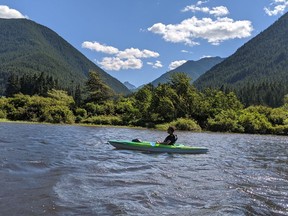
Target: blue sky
<point x="139" y="40"/>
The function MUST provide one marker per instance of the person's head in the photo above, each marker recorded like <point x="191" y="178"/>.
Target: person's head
<point x="171" y="129"/>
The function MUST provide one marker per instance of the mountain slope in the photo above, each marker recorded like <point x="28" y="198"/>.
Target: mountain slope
<point x="193" y="69"/>
<point x="27" y="47"/>
<point x="129" y="86"/>
<point x="257" y="71"/>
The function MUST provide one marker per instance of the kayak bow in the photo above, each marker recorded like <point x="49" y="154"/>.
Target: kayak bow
<point x="155" y="147"/>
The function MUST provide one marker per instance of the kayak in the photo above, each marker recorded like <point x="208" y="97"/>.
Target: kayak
<point x="155" y="147"/>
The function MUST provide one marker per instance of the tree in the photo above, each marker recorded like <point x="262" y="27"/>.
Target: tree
<point x="162" y="107"/>
<point x="13" y="85"/>
<point x="143" y="100"/>
<point x="97" y="90"/>
<point x="78" y="95"/>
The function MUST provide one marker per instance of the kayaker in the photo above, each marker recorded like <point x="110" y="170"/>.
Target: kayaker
<point x="171" y="138"/>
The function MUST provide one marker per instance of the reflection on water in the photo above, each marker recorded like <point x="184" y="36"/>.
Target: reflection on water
<point x="71" y="170"/>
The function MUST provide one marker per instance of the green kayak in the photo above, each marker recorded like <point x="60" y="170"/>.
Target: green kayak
<point x="155" y="147"/>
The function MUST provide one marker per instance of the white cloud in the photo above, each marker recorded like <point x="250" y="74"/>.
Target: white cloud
<point x="136" y="53"/>
<point x="115" y="63"/>
<point x="9" y="13"/>
<point x="176" y="64"/>
<point x="219" y="11"/>
<point x="95" y="46"/>
<point x="278" y="7"/>
<point x="216" y="11"/>
<point x="156" y="65"/>
<point x="127" y="59"/>
<point x="214" y="31"/>
<point x="201" y="2"/>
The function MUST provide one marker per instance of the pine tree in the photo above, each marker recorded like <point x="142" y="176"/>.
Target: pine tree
<point x="13" y="85"/>
<point x="98" y="91"/>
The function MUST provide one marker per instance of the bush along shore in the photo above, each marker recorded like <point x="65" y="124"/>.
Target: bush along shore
<point x="176" y="103"/>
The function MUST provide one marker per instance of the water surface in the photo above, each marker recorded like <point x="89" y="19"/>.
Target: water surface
<point x="71" y="170"/>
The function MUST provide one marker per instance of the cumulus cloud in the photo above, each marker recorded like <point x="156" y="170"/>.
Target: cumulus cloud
<point x="95" y="46"/>
<point x="156" y="65"/>
<point x="115" y="63"/>
<point x="278" y="7"/>
<point x="136" y="53"/>
<point x="123" y="59"/>
<point x="9" y="13"/>
<point x="176" y="64"/>
<point x="201" y="2"/>
<point x="216" y="11"/>
<point x="214" y="31"/>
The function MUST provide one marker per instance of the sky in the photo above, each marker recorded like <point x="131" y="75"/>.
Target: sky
<point x="139" y="40"/>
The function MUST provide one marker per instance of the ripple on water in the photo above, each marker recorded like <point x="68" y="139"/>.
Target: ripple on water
<point x="69" y="170"/>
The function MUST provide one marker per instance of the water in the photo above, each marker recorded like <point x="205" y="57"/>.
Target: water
<point x="71" y="170"/>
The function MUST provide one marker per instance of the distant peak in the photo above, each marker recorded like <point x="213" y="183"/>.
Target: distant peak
<point x="129" y="85"/>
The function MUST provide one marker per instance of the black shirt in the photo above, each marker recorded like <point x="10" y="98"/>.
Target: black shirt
<point x="172" y="139"/>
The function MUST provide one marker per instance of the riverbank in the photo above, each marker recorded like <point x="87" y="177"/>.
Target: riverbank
<point x="160" y="127"/>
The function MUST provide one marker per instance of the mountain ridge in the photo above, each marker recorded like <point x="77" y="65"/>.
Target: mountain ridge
<point x="194" y="69"/>
<point x="257" y="71"/>
<point x="29" y="47"/>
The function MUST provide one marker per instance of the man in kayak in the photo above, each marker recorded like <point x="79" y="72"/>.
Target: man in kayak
<point x="171" y="138"/>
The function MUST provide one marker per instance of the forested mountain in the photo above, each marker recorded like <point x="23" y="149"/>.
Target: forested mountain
<point x="194" y="69"/>
<point x="257" y="71"/>
<point x="29" y="48"/>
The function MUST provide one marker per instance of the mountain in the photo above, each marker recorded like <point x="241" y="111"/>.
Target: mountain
<point x="29" y="48"/>
<point x="129" y="86"/>
<point x="258" y="70"/>
<point x="193" y="69"/>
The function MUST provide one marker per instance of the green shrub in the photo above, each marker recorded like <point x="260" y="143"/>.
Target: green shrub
<point x="186" y="124"/>
<point x="226" y="121"/>
<point x="280" y="130"/>
<point x="181" y="124"/>
<point x="103" y="120"/>
<point x="3" y="114"/>
<point x="255" y="122"/>
<point x="81" y="112"/>
<point x="58" y="114"/>
<point x="278" y="116"/>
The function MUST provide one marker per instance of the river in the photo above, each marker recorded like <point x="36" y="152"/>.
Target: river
<point x="71" y="170"/>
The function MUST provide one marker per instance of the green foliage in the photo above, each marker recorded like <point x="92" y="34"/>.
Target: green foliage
<point x="80" y="114"/>
<point x="181" y="124"/>
<point x="285" y="106"/>
<point x="58" y="114"/>
<point x="3" y="102"/>
<point x="186" y="124"/>
<point x="143" y="101"/>
<point x="98" y="91"/>
<point x="257" y="72"/>
<point x="225" y="121"/>
<point x="29" y="48"/>
<point x="162" y="104"/>
<point x="103" y="120"/>
<point x="175" y="103"/>
<point x="61" y="97"/>
<point x="30" y="84"/>
<point x="38" y="109"/>
<point x="254" y="122"/>
<point x="277" y="116"/>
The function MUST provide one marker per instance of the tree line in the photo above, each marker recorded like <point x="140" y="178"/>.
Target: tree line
<point x="176" y="103"/>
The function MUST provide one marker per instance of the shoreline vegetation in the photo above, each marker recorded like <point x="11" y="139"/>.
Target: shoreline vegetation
<point x="176" y="103"/>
